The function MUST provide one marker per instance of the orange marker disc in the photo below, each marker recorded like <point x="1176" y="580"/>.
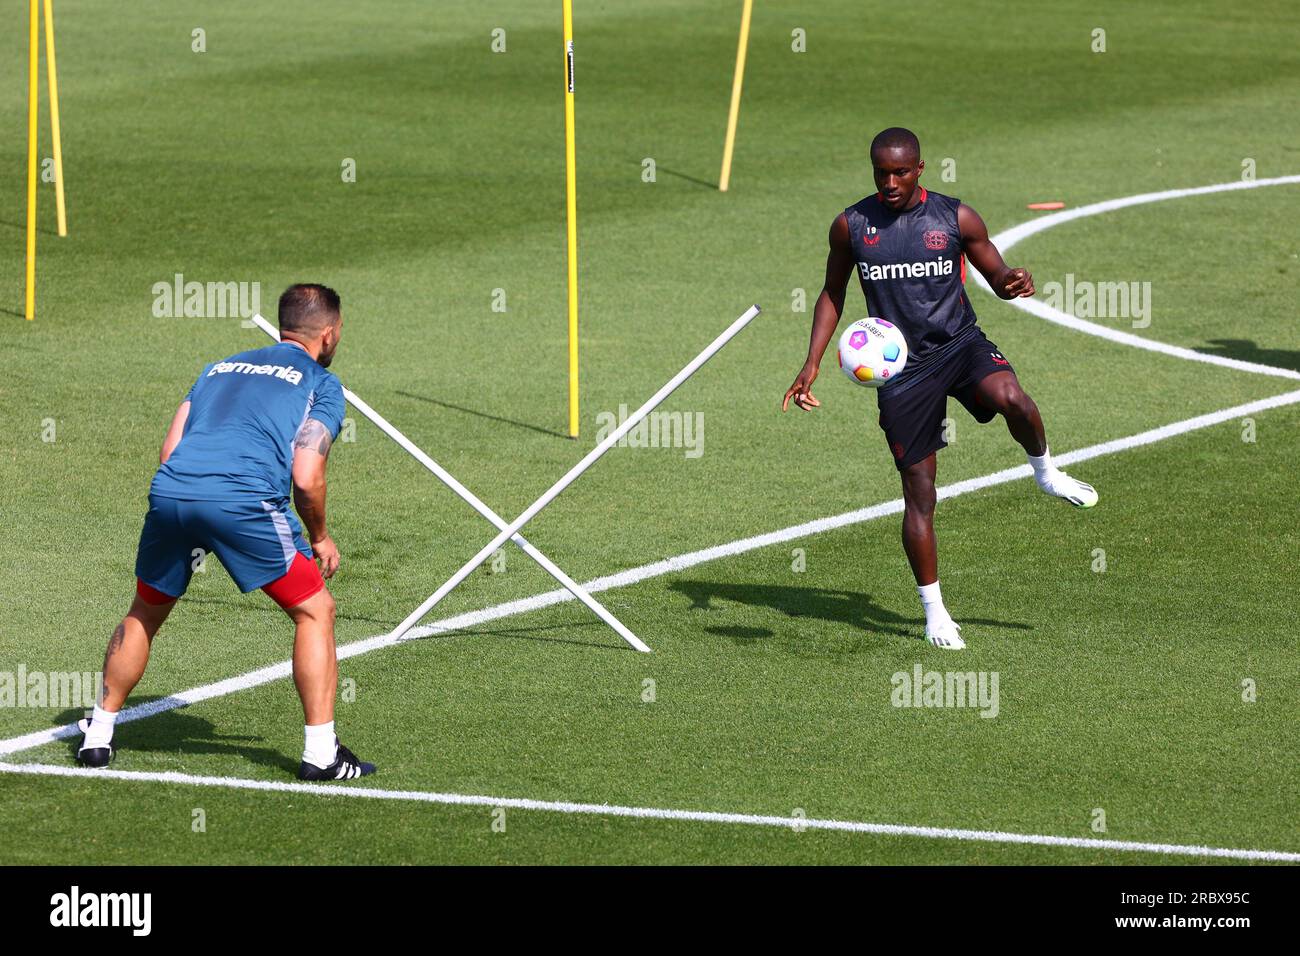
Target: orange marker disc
<point x="1046" y="205"/>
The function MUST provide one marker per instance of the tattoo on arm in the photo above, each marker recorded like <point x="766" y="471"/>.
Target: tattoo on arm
<point x="313" y="434"/>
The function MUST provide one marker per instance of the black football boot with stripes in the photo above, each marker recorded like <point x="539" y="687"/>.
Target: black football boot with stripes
<point x="346" y="766"/>
<point x="93" y="756"/>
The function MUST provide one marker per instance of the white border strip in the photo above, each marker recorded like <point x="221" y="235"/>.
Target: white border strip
<point x="1005" y="240"/>
<point x="656" y="813"/>
<point x="655" y="569"/>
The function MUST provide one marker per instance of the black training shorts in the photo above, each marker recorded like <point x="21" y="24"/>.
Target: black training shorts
<point x="913" y="419"/>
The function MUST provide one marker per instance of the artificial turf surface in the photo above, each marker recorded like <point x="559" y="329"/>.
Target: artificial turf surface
<point x="1120" y="690"/>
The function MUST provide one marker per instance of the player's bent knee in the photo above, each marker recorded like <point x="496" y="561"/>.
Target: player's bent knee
<point x="1009" y="401"/>
<point x="918" y="504"/>
<point x="1019" y="404"/>
<point x="321" y="605"/>
<point x="150" y="607"/>
<point x="319" y="608"/>
<point x="918" y="482"/>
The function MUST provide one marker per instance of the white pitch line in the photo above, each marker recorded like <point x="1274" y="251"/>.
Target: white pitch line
<point x="284" y="669"/>
<point x="1005" y="240"/>
<point x="654" y="813"/>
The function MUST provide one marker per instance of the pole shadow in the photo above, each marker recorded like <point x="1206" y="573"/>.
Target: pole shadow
<point x="22" y="227"/>
<point x="495" y="418"/>
<point x="685" y="176"/>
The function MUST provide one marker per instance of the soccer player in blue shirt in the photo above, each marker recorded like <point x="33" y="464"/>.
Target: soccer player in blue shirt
<point x="253" y="428"/>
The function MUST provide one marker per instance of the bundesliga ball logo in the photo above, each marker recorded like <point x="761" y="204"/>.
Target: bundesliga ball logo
<point x="872" y="351"/>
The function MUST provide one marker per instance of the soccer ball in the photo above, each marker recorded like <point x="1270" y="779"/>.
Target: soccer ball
<point x="872" y="351"/>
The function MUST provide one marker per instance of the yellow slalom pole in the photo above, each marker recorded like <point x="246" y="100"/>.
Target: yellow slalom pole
<point x="571" y="200"/>
<point x="732" y="117"/>
<point x="33" y="50"/>
<point x="54" y="116"/>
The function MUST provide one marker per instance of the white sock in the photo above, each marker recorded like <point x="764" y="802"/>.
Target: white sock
<point x="100" y="731"/>
<point x="932" y="601"/>
<point x="320" y="746"/>
<point x="1042" y="464"/>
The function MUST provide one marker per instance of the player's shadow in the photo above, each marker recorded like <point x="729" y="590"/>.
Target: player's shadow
<point x="493" y="418"/>
<point x="851" y="608"/>
<point x="267" y="607"/>
<point x="175" y="731"/>
<point x="534" y="633"/>
<point x="1246" y="350"/>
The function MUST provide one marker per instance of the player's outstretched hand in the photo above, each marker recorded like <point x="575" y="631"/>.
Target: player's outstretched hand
<point x="1019" y="283"/>
<point x="801" y="390"/>
<point x="327" y="554"/>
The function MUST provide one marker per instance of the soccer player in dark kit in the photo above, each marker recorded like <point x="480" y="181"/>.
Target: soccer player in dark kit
<point x="909" y="246"/>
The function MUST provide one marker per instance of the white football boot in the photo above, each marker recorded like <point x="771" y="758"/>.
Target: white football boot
<point x="1076" y="492"/>
<point x="945" y="635"/>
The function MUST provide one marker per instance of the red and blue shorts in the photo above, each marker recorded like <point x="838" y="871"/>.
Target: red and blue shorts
<point x="259" y="543"/>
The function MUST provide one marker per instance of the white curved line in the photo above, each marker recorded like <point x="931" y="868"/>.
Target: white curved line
<point x="1005" y="240"/>
<point x="673" y="565"/>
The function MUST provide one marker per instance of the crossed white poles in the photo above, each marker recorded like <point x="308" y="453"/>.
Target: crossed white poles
<point x="511" y="531"/>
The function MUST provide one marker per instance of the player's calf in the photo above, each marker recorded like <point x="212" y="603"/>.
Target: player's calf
<point x="308" y="602"/>
<point x="124" y="663"/>
<point x="919" y="499"/>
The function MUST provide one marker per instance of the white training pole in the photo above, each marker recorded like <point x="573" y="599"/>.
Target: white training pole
<point x="549" y="495"/>
<point x="577" y="590"/>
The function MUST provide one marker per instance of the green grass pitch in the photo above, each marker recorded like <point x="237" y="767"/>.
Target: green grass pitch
<point x="1121" y="690"/>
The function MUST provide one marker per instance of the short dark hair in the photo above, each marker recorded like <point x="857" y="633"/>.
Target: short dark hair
<point x="307" y="308"/>
<point x="896" y="137"/>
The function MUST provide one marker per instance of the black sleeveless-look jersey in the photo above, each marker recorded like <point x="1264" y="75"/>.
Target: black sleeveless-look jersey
<point x="911" y="267"/>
